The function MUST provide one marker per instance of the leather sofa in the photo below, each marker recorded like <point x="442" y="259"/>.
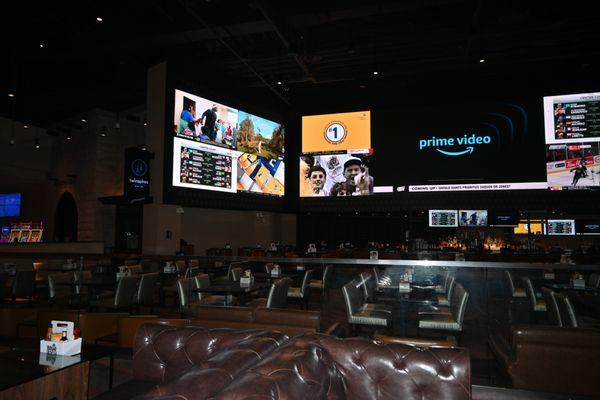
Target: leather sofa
<point x="290" y="322"/>
<point x="202" y="363"/>
<point x="551" y="359"/>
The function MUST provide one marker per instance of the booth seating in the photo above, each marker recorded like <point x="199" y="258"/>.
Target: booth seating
<point x="551" y="359"/>
<point x="290" y="322"/>
<point x="200" y="363"/>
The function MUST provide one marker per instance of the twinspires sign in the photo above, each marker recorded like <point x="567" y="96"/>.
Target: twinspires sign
<point x="137" y="173"/>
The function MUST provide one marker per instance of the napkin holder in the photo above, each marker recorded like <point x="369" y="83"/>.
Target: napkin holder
<point x="68" y="347"/>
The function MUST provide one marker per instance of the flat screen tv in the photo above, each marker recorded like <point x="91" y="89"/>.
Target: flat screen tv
<point x="10" y="205"/>
<point x="443" y="218"/>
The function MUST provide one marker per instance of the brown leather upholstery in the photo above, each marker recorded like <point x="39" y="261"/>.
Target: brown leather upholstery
<point x="552" y="359"/>
<point x="235" y="314"/>
<point x="129" y="325"/>
<point x="93" y="325"/>
<point x="197" y="362"/>
<point x="323" y="367"/>
<point x="451" y="342"/>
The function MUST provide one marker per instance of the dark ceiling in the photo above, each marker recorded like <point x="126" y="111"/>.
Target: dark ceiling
<point x="324" y="49"/>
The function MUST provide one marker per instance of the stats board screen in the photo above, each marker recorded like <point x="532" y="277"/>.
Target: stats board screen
<point x="473" y="218"/>
<point x="572" y="136"/>
<point x="560" y="227"/>
<point x="443" y="218"/>
<point x="503" y="218"/>
<point x="221" y="148"/>
<point x="10" y="205"/>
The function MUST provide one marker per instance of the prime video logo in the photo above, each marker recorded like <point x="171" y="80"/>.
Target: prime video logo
<point x="471" y="141"/>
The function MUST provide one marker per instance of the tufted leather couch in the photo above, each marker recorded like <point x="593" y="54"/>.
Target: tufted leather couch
<point x="200" y="363"/>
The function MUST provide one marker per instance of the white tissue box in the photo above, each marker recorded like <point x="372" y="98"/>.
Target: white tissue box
<point x="404" y="287"/>
<point x="579" y="283"/>
<point x="246" y="281"/>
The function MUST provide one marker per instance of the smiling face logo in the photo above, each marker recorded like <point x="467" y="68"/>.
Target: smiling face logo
<point x="447" y="146"/>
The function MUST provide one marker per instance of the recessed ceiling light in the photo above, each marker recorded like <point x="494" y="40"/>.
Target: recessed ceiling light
<point x="11" y="94"/>
<point x="68" y="136"/>
<point x="279" y="82"/>
<point x="25" y="126"/>
<point x="42" y="45"/>
<point x="145" y="124"/>
<point x="83" y="120"/>
<point x="375" y="72"/>
<point x="99" y="19"/>
<point x="37" y="143"/>
<point x="482" y="60"/>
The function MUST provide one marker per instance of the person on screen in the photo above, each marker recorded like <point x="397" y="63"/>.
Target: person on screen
<point x="208" y="120"/>
<point x="357" y="173"/>
<point x="582" y="163"/>
<point x="317" y="177"/>
<point x="343" y="189"/>
<point x="473" y="220"/>
<point x="578" y="175"/>
<point x="187" y="122"/>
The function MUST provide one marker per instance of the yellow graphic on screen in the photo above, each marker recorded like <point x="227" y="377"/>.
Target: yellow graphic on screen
<point x="335" y="132"/>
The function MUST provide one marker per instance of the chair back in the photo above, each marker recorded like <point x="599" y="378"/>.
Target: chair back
<point x="268" y="267"/>
<point x="366" y="283"/>
<point x="326" y="277"/>
<point x="191" y="272"/>
<point x="126" y="290"/>
<point x="306" y="282"/>
<point x="511" y="282"/>
<point x="566" y="310"/>
<point x="24" y="283"/>
<point x="552" y="307"/>
<point x="202" y="281"/>
<point x="530" y="291"/>
<point x="57" y="291"/>
<point x="80" y="277"/>
<point x="278" y="294"/>
<point x="135" y="269"/>
<point x="353" y="298"/>
<point x="146" y="289"/>
<point x="445" y="281"/>
<point x="381" y="279"/>
<point x="236" y="273"/>
<point x="458" y="304"/>
<point x="594" y="280"/>
<point x="180" y="265"/>
<point x="194" y="262"/>
<point x="184" y="289"/>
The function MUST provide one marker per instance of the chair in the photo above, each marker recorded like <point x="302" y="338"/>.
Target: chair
<point x="277" y="296"/>
<point x="568" y="315"/>
<point x="594" y="280"/>
<point x="515" y="291"/>
<point x="444" y="299"/>
<point x="191" y="272"/>
<point x="79" y="277"/>
<point x="552" y="307"/>
<point x="442" y="288"/>
<point x="124" y="295"/>
<point x="538" y="305"/>
<point x="268" y="267"/>
<point x="135" y="269"/>
<point x="382" y="280"/>
<point x="59" y="292"/>
<point x="444" y="302"/>
<point x="202" y="281"/>
<point x="322" y="284"/>
<point x="358" y="314"/>
<point x="236" y="273"/>
<point x="180" y="265"/>
<point x="303" y="291"/>
<point x="23" y="285"/>
<point x="194" y="262"/>
<point x="146" y="290"/>
<point x="453" y="321"/>
<point x="367" y="283"/>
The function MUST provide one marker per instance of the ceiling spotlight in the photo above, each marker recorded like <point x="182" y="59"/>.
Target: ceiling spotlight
<point x="117" y="125"/>
<point x="279" y="82"/>
<point x="83" y="120"/>
<point x="25" y="126"/>
<point x="144" y="148"/>
<point x="69" y="136"/>
<point x="42" y="45"/>
<point x="99" y="19"/>
<point x="11" y="142"/>
<point x="375" y="72"/>
<point x="36" y="143"/>
<point x="482" y="60"/>
<point x="362" y="86"/>
<point x="11" y="94"/>
<point x="103" y="131"/>
<point x="145" y="124"/>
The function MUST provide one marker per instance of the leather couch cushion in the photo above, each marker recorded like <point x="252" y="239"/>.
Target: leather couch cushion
<point x="128" y="326"/>
<point x="163" y="353"/>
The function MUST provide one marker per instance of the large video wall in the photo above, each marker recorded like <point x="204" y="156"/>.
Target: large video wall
<point x="478" y="146"/>
<point x="220" y="148"/>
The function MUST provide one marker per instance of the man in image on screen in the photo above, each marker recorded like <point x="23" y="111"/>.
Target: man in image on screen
<point x="357" y="173"/>
<point x="317" y="177"/>
<point x="208" y="120"/>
